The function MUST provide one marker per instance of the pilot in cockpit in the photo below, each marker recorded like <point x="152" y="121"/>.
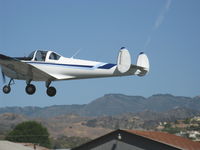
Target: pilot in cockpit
<point x="40" y="56"/>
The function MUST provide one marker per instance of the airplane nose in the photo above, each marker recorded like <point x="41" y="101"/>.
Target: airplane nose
<point x="122" y="47"/>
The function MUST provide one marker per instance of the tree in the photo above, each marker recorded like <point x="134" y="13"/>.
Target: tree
<point x="68" y="142"/>
<point x="30" y="132"/>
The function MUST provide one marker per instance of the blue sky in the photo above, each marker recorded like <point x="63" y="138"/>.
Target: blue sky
<point x="170" y="29"/>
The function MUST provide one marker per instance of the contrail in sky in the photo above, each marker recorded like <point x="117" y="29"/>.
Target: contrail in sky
<point x="158" y="21"/>
<point x="161" y="17"/>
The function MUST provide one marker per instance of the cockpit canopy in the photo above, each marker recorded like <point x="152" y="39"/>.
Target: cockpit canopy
<point x="54" y="56"/>
<point x="40" y="55"/>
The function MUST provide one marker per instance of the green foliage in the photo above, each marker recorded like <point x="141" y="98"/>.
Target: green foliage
<point x="193" y="128"/>
<point x="1" y="137"/>
<point x="171" y="130"/>
<point x="187" y="121"/>
<point x="30" y="132"/>
<point x="168" y="125"/>
<point x="68" y="142"/>
<point x="176" y="122"/>
<point x="168" y="128"/>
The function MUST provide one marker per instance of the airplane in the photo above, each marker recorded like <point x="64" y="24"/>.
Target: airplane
<point x="49" y="66"/>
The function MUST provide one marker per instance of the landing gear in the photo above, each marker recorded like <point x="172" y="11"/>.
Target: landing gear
<point x="7" y="88"/>
<point x="51" y="91"/>
<point x="30" y="89"/>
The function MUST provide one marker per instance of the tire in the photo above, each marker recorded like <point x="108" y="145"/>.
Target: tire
<point x="30" y="89"/>
<point x="6" y="89"/>
<point x="51" y="91"/>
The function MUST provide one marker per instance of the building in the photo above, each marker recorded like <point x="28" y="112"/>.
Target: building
<point x="7" y="145"/>
<point x="139" y="140"/>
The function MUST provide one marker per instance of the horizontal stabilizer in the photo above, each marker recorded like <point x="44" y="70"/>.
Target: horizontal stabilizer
<point x="124" y="60"/>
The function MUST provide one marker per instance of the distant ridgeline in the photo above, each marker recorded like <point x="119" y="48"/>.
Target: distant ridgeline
<point x="113" y="104"/>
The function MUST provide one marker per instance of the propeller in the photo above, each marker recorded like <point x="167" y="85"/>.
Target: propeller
<point x="3" y="76"/>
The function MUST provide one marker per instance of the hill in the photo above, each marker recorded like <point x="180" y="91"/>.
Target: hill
<point x="9" y="120"/>
<point x="38" y="112"/>
<point x="141" y="120"/>
<point x="73" y="125"/>
<point x="114" y="104"/>
<point x="110" y="105"/>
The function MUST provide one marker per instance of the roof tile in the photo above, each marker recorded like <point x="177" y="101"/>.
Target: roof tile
<point x="169" y="139"/>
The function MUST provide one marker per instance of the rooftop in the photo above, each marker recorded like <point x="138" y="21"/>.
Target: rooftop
<point x="168" y="139"/>
<point x="7" y="145"/>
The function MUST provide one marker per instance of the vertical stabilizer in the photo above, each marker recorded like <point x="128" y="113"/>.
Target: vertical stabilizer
<point x="124" y="60"/>
<point x="143" y="62"/>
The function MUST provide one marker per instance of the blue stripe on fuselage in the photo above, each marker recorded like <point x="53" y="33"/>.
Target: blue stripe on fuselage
<point x="70" y="65"/>
<point x="106" y="66"/>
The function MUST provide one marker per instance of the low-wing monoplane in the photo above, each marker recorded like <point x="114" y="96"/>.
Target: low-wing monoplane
<point x="49" y="66"/>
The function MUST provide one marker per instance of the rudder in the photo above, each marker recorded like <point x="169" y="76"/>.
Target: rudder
<point x="143" y="61"/>
<point x="124" y="60"/>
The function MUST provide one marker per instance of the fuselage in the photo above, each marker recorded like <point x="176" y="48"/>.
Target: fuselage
<point x="63" y="68"/>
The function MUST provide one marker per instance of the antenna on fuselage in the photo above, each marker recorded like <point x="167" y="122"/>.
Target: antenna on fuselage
<point x="76" y="53"/>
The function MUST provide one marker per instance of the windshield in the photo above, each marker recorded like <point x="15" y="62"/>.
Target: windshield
<point x="40" y="55"/>
<point x="31" y="55"/>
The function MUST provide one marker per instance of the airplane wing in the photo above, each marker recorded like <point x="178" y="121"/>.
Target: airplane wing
<point x="24" y="70"/>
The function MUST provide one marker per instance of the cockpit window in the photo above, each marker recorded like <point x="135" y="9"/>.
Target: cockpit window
<point x="54" y="56"/>
<point x="31" y="55"/>
<point x="40" y="55"/>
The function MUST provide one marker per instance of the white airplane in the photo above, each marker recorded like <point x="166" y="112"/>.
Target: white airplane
<point x="49" y="66"/>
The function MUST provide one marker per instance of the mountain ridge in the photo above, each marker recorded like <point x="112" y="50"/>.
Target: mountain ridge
<point x="110" y="105"/>
<point x="92" y="127"/>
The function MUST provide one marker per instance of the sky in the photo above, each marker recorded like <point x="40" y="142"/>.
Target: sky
<point x="166" y="30"/>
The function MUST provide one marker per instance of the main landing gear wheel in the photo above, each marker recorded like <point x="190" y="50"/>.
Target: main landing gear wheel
<point x="51" y="91"/>
<point x="30" y="89"/>
<point x="6" y="89"/>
